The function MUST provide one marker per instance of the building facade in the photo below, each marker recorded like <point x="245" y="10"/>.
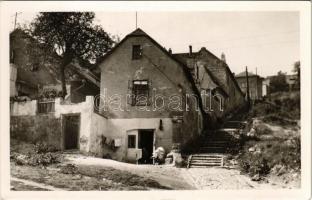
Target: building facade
<point x="213" y="74"/>
<point x="255" y="84"/>
<point x="155" y="100"/>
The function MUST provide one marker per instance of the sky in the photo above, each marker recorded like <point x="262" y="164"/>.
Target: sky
<point x="264" y="41"/>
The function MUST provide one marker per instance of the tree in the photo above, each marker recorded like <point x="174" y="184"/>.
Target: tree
<point x="278" y="83"/>
<point x="71" y="35"/>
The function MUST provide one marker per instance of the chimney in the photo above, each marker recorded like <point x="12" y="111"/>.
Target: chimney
<point x="223" y="57"/>
<point x="191" y="52"/>
<point x="170" y="51"/>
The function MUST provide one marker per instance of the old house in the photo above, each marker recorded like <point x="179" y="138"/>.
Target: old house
<point x="163" y="107"/>
<point x="35" y="72"/>
<point x="145" y="98"/>
<point x="37" y="113"/>
<point x="255" y="84"/>
<point x="213" y="76"/>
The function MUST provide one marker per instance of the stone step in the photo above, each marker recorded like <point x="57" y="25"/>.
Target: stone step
<point x="196" y="166"/>
<point x="206" y="156"/>
<point x="204" y="164"/>
<point x="206" y="161"/>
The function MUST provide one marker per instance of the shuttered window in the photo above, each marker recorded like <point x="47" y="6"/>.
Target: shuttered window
<point x="140" y="93"/>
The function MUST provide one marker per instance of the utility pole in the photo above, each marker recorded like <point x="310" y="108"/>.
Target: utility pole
<point x="136" y="20"/>
<point x="247" y="89"/>
<point x="256" y="84"/>
<point x="15" y="19"/>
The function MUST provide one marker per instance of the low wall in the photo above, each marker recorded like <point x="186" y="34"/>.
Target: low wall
<point x="28" y="108"/>
<point x="37" y="128"/>
<point x="29" y="126"/>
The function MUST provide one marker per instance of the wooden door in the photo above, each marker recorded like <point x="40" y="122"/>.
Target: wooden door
<point x="71" y="131"/>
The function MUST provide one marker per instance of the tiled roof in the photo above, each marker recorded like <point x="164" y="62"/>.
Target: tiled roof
<point x="34" y="78"/>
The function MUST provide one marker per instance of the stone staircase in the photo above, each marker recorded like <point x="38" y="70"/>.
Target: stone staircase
<point x="205" y="160"/>
<point x="214" y="146"/>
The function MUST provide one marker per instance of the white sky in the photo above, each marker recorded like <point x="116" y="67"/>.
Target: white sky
<point x="268" y="41"/>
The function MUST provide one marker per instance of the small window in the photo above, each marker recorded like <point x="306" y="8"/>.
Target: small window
<point x="131" y="141"/>
<point x="136" y="52"/>
<point x="140" y="93"/>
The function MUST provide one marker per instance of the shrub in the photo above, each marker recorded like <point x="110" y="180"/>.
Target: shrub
<point x="263" y="129"/>
<point x="42" y="147"/>
<point x="44" y="159"/>
<point x="275" y="152"/>
<point x="254" y="164"/>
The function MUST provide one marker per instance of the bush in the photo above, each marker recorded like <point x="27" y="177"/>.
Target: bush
<point x="44" y="159"/>
<point x="254" y="164"/>
<point x="279" y="152"/>
<point x="263" y="129"/>
<point x="40" y="154"/>
<point x="42" y="147"/>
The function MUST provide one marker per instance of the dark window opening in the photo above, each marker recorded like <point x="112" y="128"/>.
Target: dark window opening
<point x="136" y="52"/>
<point x="131" y="141"/>
<point x="140" y="93"/>
<point x="46" y="107"/>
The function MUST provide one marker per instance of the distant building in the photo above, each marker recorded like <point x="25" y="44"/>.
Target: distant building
<point x="255" y="84"/>
<point x="291" y="80"/>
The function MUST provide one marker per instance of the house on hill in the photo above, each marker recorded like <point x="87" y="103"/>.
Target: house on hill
<point x="213" y="75"/>
<point x="149" y="97"/>
<point x="255" y="84"/>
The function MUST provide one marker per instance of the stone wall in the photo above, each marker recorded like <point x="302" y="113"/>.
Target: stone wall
<point x="37" y="128"/>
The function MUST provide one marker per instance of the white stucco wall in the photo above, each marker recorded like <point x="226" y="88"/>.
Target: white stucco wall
<point x="24" y="108"/>
<point x="119" y="129"/>
<point x="85" y="110"/>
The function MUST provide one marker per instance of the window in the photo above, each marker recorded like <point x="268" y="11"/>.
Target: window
<point x="140" y="93"/>
<point x="46" y="106"/>
<point x="131" y="141"/>
<point x="136" y="52"/>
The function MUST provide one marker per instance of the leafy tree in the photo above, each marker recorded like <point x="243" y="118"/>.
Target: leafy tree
<point x="278" y="83"/>
<point x="71" y="35"/>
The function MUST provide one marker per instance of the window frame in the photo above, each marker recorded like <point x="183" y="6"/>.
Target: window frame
<point x="134" y="92"/>
<point x="133" y="146"/>
<point x="137" y="52"/>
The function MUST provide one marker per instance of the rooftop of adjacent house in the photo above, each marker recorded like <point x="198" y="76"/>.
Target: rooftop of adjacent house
<point x="41" y="76"/>
<point x="243" y="74"/>
<point x="184" y="56"/>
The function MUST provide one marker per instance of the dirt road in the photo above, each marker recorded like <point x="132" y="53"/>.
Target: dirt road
<point x="180" y="178"/>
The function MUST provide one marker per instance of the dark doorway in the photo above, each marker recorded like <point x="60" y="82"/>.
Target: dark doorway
<point x="146" y="141"/>
<point x="71" y="131"/>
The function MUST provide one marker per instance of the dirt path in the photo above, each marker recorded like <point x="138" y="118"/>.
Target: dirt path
<point x="219" y="178"/>
<point x="166" y="175"/>
<point x="180" y="178"/>
<point x="34" y="184"/>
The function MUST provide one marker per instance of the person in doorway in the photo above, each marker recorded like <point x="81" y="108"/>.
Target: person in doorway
<point x="144" y="155"/>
